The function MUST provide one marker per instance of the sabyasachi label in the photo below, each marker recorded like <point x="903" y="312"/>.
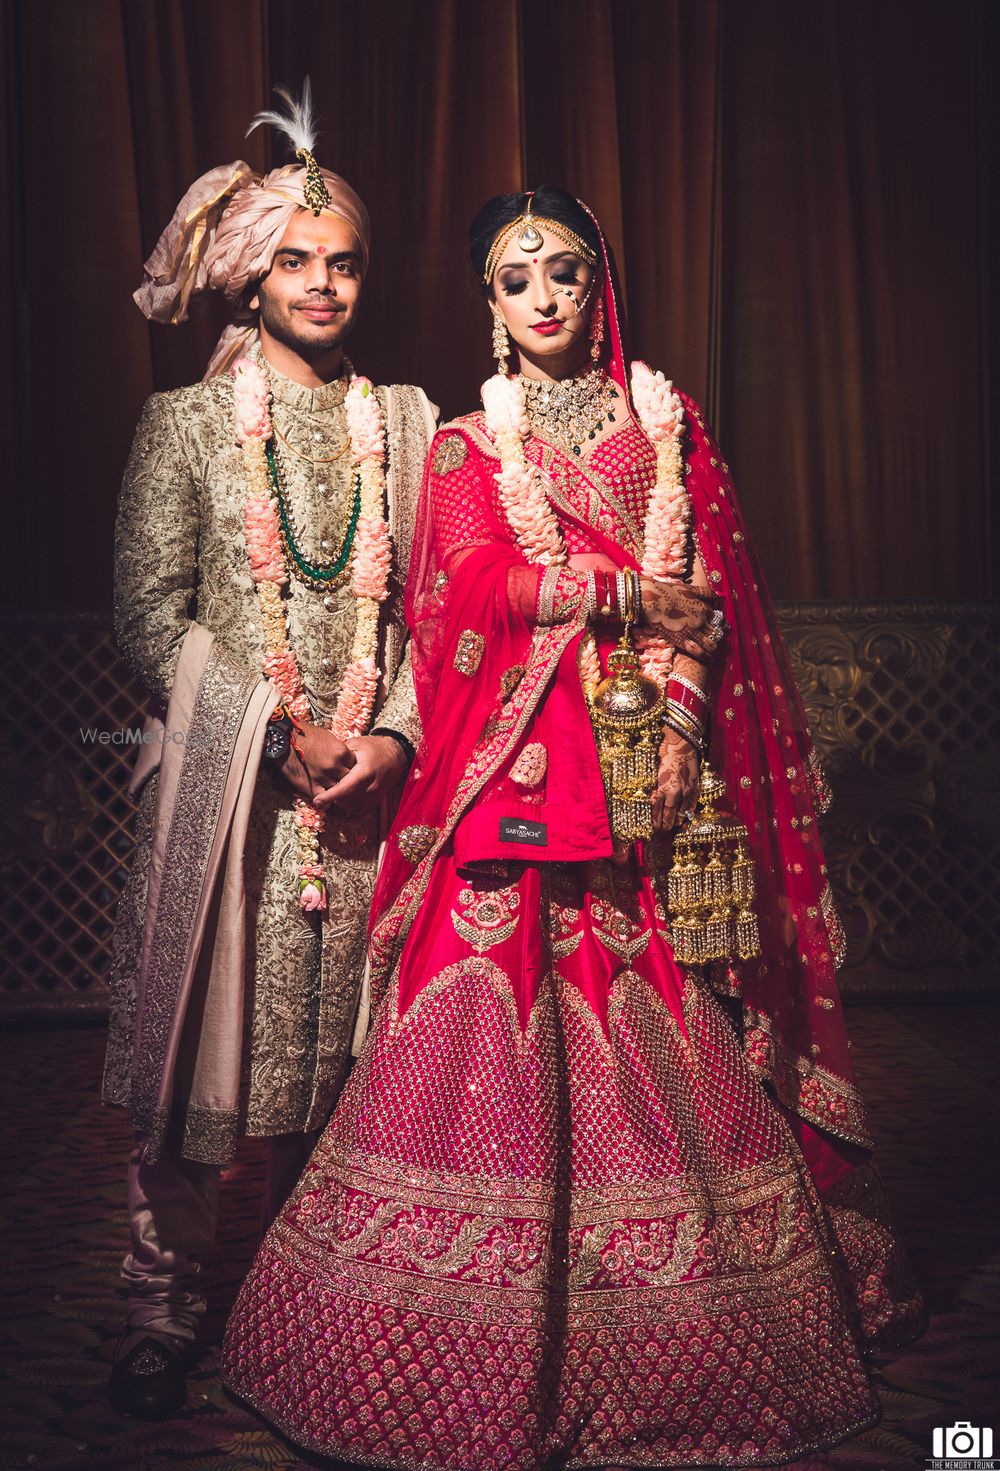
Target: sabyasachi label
<point x="516" y="830"/>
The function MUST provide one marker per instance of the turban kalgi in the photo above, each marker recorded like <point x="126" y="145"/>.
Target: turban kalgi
<point x="223" y="237"/>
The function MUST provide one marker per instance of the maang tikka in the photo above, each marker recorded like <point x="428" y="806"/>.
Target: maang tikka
<point x="530" y="238"/>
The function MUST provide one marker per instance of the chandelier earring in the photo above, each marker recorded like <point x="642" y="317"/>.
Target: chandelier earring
<point x="596" y="331"/>
<point x="501" y="342"/>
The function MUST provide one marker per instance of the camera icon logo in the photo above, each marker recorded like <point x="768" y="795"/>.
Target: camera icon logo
<point x="963" y="1441"/>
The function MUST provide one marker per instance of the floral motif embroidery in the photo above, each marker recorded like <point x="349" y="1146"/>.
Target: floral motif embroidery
<point x="486" y="918"/>
<point x="565" y="930"/>
<point x="802" y="1083"/>
<point x="450" y="454"/>
<point x="834" y="926"/>
<point x="530" y="767"/>
<point x="509" y="681"/>
<point x="617" y="932"/>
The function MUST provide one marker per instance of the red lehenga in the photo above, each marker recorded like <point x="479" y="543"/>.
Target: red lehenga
<point x="579" y="1206"/>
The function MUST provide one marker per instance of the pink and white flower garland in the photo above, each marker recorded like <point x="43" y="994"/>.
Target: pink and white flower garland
<point x="524" y="501"/>
<point x="668" y="515"/>
<point x="536" y="527"/>
<point x="370" y="566"/>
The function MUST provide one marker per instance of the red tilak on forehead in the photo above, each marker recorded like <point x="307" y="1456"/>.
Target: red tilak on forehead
<point x="321" y="250"/>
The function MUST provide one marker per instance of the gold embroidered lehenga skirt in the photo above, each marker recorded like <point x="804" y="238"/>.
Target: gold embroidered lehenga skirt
<point x="556" y="1220"/>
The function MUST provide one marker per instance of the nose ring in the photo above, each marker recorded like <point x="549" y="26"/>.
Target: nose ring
<point x="567" y="292"/>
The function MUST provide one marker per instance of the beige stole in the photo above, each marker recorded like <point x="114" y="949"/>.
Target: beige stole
<point x="189" y="1023"/>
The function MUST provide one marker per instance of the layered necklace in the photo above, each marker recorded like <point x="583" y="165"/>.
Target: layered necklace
<point x="573" y="411"/>
<point x="274" y="549"/>
<point x="313" y="573"/>
<point x="534" y="522"/>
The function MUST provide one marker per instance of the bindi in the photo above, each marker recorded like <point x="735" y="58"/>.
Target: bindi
<point x="321" y="250"/>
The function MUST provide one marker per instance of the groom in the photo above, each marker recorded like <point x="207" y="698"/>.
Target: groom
<point x="239" y="953"/>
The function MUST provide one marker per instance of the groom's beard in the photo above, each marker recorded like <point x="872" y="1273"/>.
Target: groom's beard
<point x="287" y="324"/>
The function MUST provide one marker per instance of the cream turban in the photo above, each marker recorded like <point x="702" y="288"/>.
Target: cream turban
<point x="223" y="237"/>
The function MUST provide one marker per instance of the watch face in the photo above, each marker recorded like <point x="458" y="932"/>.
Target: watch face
<point x="277" y="740"/>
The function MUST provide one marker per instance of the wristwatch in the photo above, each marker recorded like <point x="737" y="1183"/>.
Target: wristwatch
<point x="278" y="735"/>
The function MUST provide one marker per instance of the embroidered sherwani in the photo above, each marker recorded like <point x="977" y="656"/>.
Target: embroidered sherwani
<point x="181" y="557"/>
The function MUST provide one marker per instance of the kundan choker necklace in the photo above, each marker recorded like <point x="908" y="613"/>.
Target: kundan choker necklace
<point x="572" y="411"/>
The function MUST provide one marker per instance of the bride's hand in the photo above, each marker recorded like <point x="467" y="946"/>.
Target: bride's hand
<point x="683" y="616"/>
<point x="676" y="781"/>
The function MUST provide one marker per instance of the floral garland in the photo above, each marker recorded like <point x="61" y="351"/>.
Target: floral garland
<point x="370" y="566"/>
<point x="668" y="516"/>
<point x="536" y="527"/>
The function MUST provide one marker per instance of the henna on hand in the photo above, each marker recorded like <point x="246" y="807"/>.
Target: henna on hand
<point x="676" y="781"/>
<point x="683" y="615"/>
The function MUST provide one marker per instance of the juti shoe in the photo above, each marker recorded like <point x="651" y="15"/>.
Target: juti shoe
<point x="148" y="1382"/>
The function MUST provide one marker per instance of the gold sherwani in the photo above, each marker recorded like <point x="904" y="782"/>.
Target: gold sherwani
<point x="181" y="556"/>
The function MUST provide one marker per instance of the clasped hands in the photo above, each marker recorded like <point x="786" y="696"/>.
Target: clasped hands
<point x="684" y="616"/>
<point x="351" y="776"/>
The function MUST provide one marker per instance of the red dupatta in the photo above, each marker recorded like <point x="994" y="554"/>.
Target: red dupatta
<point x="481" y="668"/>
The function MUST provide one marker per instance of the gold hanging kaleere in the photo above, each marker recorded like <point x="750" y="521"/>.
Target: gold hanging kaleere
<point x="711" y="884"/>
<point x="626" y="711"/>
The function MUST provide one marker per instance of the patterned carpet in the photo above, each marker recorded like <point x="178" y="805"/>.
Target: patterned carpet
<point x="929" y="1073"/>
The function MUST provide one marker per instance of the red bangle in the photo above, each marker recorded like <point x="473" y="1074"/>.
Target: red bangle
<point x="687" y="696"/>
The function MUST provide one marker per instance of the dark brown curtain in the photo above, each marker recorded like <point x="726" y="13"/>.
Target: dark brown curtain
<point x="854" y="294"/>
<point x="797" y="194"/>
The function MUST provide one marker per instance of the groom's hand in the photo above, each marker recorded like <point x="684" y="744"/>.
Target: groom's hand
<point x="316" y="762"/>
<point x="379" y="766"/>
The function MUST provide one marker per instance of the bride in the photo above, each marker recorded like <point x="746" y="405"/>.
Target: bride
<point x="599" y="1190"/>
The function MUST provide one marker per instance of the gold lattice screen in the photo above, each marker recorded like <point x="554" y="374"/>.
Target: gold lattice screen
<point x="903" y="701"/>
<point x="65" y="821"/>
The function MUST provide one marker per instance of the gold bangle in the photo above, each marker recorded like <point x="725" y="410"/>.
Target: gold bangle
<point x="637" y="597"/>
